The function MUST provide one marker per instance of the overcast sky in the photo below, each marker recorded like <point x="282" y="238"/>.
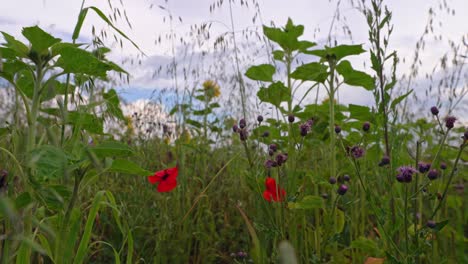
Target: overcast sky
<point x="409" y="18"/>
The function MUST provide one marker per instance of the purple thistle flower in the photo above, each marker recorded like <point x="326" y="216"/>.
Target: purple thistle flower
<point x="443" y="165"/>
<point x="366" y="126"/>
<point x="243" y="134"/>
<point x="281" y="158"/>
<point x="405" y="173"/>
<point x="431" y="224"/>
<point x="434" y="110"/>
<point x="424" y="167"/>
<point x="332" y="180"/>
<point x="273" y="147"/>
<point x="235" y="128"/>
<point x="342" y="189"/>
<point x="337" y="129"/>
<point x="433" y="174"/>
<point x="450" y="121"/>
<point x="346" y="177"/>
<point x="270" y="163"/>
<point x="291" y="118"/>
<point x="259" y="118"/>
<point x="304" y="128"/>
<point x="271" y="152"/>
<point x="357" y="152"/>
<point x="384" y="161"/>
<point x="242" y="123"/>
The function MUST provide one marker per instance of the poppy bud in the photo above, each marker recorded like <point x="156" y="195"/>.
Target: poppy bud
<point x="342" y="189"/>
<point x="291" y="118"/>
<point x="433" y="174"/>
<point x="260" y="118"/>
<point x="450" y="121"/>
<point x="434" y="110"/>
<point x="366" y="126"/>
<point x="332" y="180"/>
<point x="431" y="224"/>
<point x="337" y="129"/>
<point x="242" y="123"/>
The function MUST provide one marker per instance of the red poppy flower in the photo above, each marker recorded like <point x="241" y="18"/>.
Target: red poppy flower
<point x="271" y="192"/>
<point x="167" y="179"/>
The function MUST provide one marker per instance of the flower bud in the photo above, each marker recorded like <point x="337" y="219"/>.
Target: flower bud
<point x="434" y="110"/>
<point x="342" y="189"/>
<point x="366" y="126"/>
<point x="259" y="118"/>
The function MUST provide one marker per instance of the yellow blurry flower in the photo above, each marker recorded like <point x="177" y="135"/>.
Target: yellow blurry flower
<point x="185" y="136"/>
<point x="211" y="88"/>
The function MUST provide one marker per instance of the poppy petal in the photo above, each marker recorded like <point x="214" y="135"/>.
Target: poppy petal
<point x="167" y="185"/>
<point x="270" y="184"/>
<point x="267" y="195"/>
<point x="154" y="179"/>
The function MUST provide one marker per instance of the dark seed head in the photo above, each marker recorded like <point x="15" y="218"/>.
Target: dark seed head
<point x="332" y="180"/>
<point x="260" y="118"/>
<point x="242" y="123"/>
<point x="433" y="174"/>
<point x="337" y="129"/>
<point x="291" y="118"/>
<point x="346" y="177"/>
<point x="366" y="126"/>
<point x="342" y="189"/>
<point x="266" y="134"/>
<point x="431" y="224"/>
<point x="434" y="110"/>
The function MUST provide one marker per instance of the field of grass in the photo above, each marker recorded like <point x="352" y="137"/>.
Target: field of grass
<point x="283" y="182"/>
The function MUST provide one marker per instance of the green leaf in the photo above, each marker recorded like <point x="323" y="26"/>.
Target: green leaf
<point x="128" y="167"/>
<point x="263" y="72"/>
<point x="23" y="200"/>
<point x="308" y="202"/>
<point x="286" y="37"/>
<point x="76" y="60"/>
<point x="49" y="162"/>
<point x="274" y="94"/>
<point x="19" y="47"/>
<point x="25" y="83"/>
<point x="353" y="77"/>
<point x="367" y="246"/>
<point x="194" y="123"/>
<point x="338" y="52"/>
<point x="113" y="104"/>
<point x="440" y="225"/>
<point x="278" y="55"/>
<point x="399" y="99"/>
<point x="311" y="72"/>
<point x="112" y="149"/>
<point x="87" y="121"/>
<point x="39" y="39"/>
<point x="360" y="112"/>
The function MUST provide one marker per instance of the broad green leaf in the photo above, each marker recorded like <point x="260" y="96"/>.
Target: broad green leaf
<point x="311" y="72"/>
<point x="338" y="52"/>
<point x="308" y="202"/>
<point x="354" y="77"/>
<point x="194" y="123"/>
<point x="278" y="55"/>
<point x="49" y="162"/>
<point x="367" y="246"/>
<point x="112" y="149"/>
<point x="128" y="167"/>
<point x="286" y="37"/>
<point x="23" y="200"/>
<point x="71" y="235"/>
<point x="19" y="47"/>
<point x="25" y="83"/>
<point x="360" y="112"/>
<point x="113" y="104"/>
<point x="87" y="121"/>
<point x="263" y="72"/>
<point x="39" y="39"/>
<point x="76" y="60"/>
<point x="274" y="94"/>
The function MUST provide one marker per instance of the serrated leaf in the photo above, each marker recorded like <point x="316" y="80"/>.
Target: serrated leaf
<point x="39" y="39"/>
<point x="49" y="162"/>
<point x="263" y="72"/>
<point x="354" y="77"/>
<point x="338" y="52"/>
<point x="76" y="60"/>
<point x="286" y="37"/>
<point x="113" y="104"/>
<point x="275" y="94"/>
<point x="360" y="112"/>
<point x="399" y="99"/>
<point x="19" y="47"/>
<point x="112" y="149"/>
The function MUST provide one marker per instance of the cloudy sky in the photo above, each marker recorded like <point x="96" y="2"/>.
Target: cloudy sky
<point x="150" y="22"/>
